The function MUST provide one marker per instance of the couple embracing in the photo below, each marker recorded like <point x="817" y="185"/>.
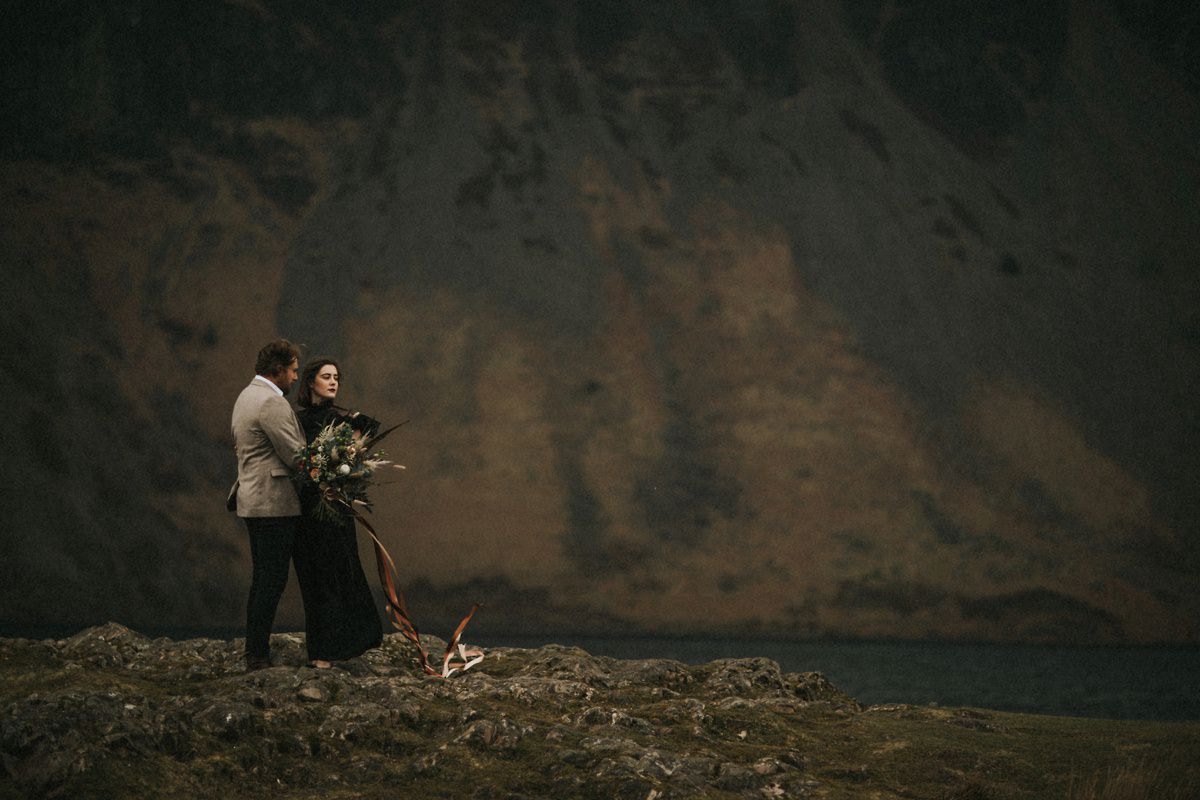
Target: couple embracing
<point x="340" y="617"/>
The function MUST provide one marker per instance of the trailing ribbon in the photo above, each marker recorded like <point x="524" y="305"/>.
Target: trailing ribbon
<point x="398" y="610"/>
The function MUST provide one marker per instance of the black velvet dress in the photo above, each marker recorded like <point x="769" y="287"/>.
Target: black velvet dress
<point x="340" y="617"/>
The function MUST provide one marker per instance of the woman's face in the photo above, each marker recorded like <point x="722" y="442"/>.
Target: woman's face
<point x="325" y="383"/>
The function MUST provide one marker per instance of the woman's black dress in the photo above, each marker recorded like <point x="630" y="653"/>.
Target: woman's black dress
<point x="340" y="617"/>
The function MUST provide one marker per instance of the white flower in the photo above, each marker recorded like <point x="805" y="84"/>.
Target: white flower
<point x="344" y="469"/>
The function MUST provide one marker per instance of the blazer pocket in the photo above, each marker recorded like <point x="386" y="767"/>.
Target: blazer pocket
<point x="280" y="472"/>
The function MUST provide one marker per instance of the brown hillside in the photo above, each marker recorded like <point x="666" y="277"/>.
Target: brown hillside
<point x="776" y="320"/>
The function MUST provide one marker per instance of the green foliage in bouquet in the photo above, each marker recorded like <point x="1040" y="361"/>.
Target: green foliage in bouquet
<point x="339" y="464"/>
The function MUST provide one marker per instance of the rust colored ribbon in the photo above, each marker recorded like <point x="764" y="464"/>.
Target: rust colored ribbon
<point x="397" y="609"/>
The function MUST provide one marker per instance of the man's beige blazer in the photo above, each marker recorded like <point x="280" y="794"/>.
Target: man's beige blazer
<point x="266" y="435"/>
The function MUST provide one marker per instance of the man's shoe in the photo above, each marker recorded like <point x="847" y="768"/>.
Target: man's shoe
<point x="257" y="662"/>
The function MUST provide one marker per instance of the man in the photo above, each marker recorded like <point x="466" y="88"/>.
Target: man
<point x="266" y="436"/>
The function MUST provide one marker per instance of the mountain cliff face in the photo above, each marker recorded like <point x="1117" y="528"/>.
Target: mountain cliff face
<point x="763" y="319"/>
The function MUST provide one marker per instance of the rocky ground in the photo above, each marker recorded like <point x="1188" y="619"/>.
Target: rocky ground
<point x="111" y="713"/>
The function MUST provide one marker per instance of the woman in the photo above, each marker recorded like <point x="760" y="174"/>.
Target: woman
<point x="341" y="620"/>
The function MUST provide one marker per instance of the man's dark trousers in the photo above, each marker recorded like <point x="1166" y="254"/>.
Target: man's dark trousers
<point x="271" y="542"/>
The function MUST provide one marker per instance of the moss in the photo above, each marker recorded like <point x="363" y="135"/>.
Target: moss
<point x="552" y="722"/>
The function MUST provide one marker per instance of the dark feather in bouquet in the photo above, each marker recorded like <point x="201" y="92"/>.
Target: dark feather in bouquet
<point x="341" y="465"/>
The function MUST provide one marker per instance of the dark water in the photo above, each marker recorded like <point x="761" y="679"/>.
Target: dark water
<point x="1115" y="682"/>
<point x="1161" y="683"/>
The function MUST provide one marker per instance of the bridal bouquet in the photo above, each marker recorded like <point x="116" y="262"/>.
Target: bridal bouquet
<point x="339" y="462"/>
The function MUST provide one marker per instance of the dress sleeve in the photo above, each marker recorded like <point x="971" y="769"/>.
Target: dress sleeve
<point x="367" y="426"/>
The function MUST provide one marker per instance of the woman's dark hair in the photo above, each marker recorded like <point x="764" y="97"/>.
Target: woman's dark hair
<point x="275" y="357"/>
<point x="305" y="399"/>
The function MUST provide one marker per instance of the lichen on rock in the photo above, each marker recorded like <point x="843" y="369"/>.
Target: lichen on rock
<point x="111" y="713"/>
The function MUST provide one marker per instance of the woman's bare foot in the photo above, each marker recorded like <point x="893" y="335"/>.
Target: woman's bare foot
<point x="317" y="663"/>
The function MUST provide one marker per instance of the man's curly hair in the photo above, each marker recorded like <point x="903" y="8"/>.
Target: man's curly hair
<point x="275" y="357"/>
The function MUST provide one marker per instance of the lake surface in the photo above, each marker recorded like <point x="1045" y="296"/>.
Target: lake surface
<point x="1115" y="682"/>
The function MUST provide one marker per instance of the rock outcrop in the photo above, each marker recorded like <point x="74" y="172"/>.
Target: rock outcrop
<point x="111" y="713"/>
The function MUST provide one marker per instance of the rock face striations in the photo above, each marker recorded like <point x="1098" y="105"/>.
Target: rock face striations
<point x="111" y="713"/>
<point x="762" y="318"/>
